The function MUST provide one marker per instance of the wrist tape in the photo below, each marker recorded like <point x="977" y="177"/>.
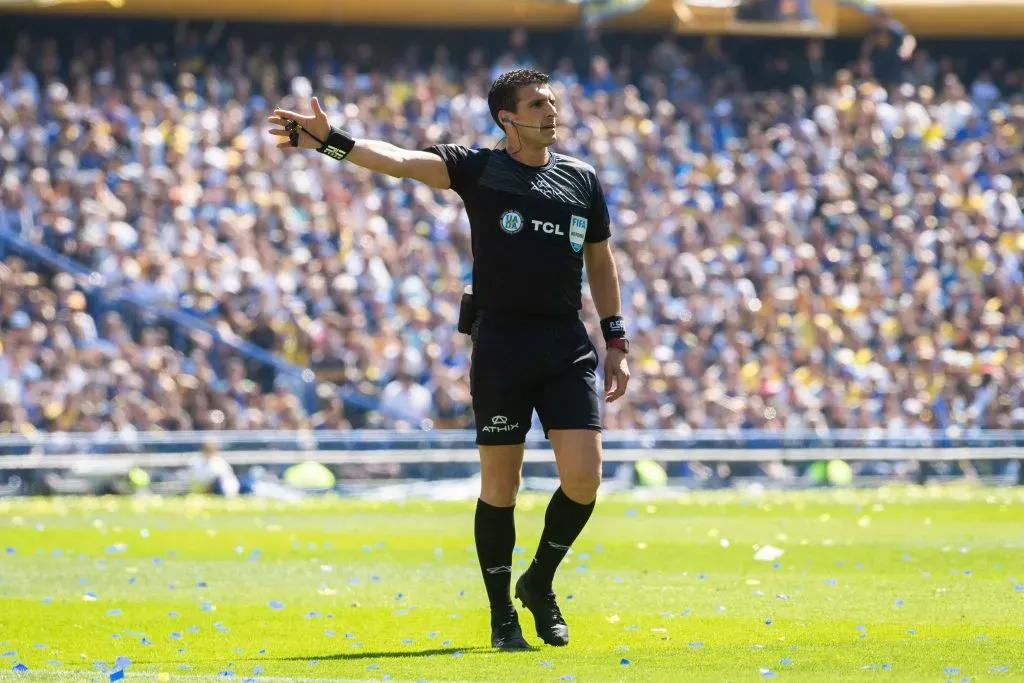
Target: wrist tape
<point x="337" y="145"/>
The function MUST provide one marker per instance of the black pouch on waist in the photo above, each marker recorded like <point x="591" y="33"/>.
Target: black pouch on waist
<point x="467" y="312"/>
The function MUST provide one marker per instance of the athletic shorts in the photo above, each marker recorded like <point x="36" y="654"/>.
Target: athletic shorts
<point x="521" y="365"/>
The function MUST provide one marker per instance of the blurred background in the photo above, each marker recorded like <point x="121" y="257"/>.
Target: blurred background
<point x="816" y="210"/>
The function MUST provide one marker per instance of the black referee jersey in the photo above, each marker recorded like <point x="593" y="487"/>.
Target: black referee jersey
<point x="529" y="225"/>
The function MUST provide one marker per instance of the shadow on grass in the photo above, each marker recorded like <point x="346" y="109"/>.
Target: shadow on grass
<point x="398" y="654"/>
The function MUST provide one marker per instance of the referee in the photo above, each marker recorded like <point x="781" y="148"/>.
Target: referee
<point x="537" y="218"/>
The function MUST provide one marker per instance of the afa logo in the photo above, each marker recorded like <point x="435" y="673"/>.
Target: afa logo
<point x="511" y="221"/>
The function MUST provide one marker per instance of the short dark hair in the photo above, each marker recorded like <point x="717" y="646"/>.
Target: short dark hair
<point x="505" y="89"/>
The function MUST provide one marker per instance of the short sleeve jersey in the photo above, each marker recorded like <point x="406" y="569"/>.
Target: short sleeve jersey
<point x="529" y="225"/>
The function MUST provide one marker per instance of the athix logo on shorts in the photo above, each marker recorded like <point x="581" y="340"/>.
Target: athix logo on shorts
<point x="511" y="221"/>
<point x="499" y="423"/>
<point x="577" y="232"/>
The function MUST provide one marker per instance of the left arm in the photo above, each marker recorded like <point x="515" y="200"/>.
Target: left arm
<point x="603" y="277"/>
<point x="604" y="289"/>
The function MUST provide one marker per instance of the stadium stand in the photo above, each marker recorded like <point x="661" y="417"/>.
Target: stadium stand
<point x="801" y="246"/>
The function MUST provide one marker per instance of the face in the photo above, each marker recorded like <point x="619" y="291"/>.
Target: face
<point x="536" y="108"/>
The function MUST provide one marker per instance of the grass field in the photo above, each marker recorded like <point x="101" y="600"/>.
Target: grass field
<point x="905" y="584"/>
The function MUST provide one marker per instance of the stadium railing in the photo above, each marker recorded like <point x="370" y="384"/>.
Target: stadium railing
<point x="181" y="326"/>
<point x="175" y="449"/>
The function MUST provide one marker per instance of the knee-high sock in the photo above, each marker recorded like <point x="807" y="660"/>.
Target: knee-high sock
<point x="563" y="522"/>
<point x="495" y="531"/>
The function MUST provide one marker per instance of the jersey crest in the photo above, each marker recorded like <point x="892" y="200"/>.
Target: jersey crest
<point x="511" y="221"/>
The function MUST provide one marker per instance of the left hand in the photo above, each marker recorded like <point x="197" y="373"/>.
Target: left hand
<point x="616" y="375"/>
<point x="315" y="123"/>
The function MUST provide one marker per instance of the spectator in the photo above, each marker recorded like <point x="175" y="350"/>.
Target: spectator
<point x="405" y="401"/>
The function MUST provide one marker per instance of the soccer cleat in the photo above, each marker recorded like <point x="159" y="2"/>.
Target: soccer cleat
<point x="505" y="631"/>
<point x="551" y="627"/>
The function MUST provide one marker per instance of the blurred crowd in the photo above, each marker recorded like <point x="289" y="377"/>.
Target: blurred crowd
<point x="803" y="243"/>
<point x="64" y="369"/>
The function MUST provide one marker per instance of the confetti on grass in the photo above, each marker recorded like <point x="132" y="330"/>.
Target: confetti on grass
<point x="768" y="553"/>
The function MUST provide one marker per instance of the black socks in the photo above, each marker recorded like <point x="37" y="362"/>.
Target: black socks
<point x="495" y="531"/>
<point x="563" y="522"/>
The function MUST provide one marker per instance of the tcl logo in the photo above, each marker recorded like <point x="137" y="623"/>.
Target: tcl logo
<point x="549" y="228"/>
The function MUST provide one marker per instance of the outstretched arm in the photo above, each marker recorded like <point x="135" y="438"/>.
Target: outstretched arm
<point x="375" y="155"/>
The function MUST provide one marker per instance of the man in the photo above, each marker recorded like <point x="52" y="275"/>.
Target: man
<point x="537" y="218"/>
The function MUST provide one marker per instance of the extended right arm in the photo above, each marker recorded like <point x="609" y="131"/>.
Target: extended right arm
<point x="375" y="155"/>
<point x="383" y="157"/>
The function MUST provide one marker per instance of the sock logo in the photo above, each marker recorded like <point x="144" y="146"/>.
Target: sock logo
<point x="500" y="570"/>
<point x="557" y="546"/>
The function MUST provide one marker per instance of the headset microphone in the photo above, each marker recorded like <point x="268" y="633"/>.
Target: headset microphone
<point x="524" y="125"/>
<point x="508" y="120"/>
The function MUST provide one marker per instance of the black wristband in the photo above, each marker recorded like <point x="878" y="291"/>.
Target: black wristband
<point x="338" y="144"/>
<point x="613" y="327"/>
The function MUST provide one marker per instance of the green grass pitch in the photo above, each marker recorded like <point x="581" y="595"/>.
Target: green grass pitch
<point x="893" y="584"/>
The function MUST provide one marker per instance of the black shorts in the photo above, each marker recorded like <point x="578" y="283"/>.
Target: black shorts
<point x="519" y="365"/>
